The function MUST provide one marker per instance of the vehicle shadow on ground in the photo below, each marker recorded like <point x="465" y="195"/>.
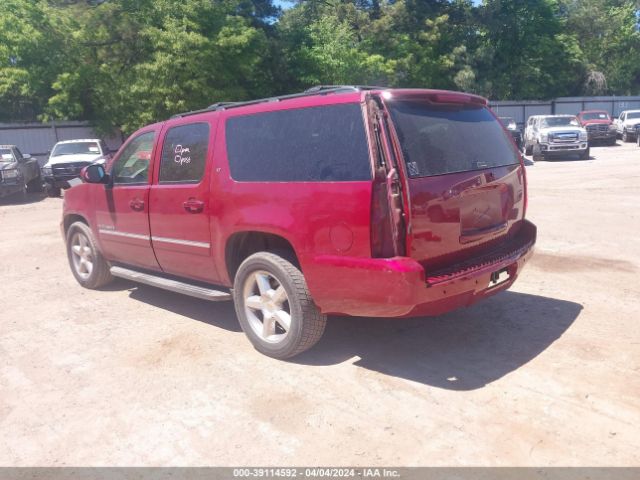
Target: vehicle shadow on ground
<point x="462" y="350"/>
<point x="18" y="200"/>
<point x="217" y="314"/>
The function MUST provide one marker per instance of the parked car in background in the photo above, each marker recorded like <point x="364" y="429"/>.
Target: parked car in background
<point x="511" y="125"/>
<point x="626" y="124"/>
<point x="599" y="126"/>
<point x="19" y="173"/>
<point x="67" y="159"/>
<point x="340" y="200"/>
<point x="547" y="136"/>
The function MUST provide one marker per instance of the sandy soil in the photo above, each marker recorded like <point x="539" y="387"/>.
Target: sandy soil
<point x="547" y="373"/>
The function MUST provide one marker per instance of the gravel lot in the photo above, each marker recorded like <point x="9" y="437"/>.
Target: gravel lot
<point x="547" y="373"/>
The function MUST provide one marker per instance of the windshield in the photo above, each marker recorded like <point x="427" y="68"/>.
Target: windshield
<point x="595" y="116"/>
<point x="6" y="155"/>
<point x="89" y="148"/>
<point x="633" y="115"/>
<point x="559" y="122"/>
<point x="440" y="139"/>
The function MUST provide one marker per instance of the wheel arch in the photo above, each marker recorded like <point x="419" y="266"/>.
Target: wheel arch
<point x="241" y="245"/>
<point x="72" y="218"/>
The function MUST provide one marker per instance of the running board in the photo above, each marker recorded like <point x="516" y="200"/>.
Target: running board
<point x="171" y="285"/>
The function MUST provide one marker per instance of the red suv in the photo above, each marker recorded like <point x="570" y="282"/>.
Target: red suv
<point x="339" y="200"/>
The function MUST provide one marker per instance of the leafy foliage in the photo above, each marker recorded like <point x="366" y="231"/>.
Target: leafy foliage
<point x="126" y="63"/>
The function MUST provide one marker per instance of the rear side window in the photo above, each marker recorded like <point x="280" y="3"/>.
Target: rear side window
<point x="325" y="143"/>
<point x="184" y="153"/>
<point x="441" y="139"/>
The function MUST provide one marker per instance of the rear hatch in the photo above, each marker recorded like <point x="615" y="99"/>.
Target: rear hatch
<point x="465" y="179"/>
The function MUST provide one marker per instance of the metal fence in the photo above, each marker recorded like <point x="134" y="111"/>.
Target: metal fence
<point x="522" y="110"/>
<point x="38" y="139"/>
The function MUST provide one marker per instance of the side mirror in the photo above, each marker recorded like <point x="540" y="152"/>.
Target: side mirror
<point x="26" y="156"/>
<point x="94" y="173"/>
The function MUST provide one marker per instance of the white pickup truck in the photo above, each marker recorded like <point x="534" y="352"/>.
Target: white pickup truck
<point x="555" y="135"/>
<point x="67" y="159"/>
<point x="626" y="124"/>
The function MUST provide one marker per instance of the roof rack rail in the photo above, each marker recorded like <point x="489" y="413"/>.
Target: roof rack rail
<point x="322" y="88"/>
<point x="317" y="90"/>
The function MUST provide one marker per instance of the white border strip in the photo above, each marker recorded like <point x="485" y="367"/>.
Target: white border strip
<point x="176" y="241"/>
<point x="124" y="234"/>
<point x="189" y="243"/>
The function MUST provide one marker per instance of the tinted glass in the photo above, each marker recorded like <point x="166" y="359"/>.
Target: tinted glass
<point x="559" y="122"/>
<point x="6" y="154"/>
<point x="595" y="116"/>
<point x="633" y="115"/>
<point x="439" y="139"/>
<point x="184" y="153"/>
<point x="310" y="144"/>
<point x="132" y="166"/>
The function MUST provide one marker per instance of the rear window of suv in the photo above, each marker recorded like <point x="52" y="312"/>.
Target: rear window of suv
<point x="441" y="139"/>
<point x="326" y="143"/>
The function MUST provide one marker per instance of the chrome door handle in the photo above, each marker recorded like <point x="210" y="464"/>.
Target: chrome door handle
<point x="137" y="204"/>
<point x="193" y="206"/>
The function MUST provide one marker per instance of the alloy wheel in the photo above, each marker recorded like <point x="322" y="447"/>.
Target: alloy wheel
<point x="266" y="306"/>
<point x="81" y="255"/>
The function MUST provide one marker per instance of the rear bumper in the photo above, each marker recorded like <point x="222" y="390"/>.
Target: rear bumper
<point x="400" y="287"/>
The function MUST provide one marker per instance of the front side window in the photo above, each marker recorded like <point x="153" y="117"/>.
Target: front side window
<point x="184" y="153"/>
<point x="633" y="115"/>
<point x="441" y="139"/>
<point x="316" y="144"/>
<point x="132" y="167"/>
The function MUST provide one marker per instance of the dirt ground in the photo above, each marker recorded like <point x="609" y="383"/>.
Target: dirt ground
<point x="545" y="374"/>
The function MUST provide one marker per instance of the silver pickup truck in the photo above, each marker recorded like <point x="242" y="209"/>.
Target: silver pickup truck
<point x="555" y="135"/>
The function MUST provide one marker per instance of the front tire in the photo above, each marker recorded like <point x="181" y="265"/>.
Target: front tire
<point x="537" y="153"/>
<point x="35" y="185"/>
<point x="585" y="155"/>
<point x="52" y="191"/>
<point x="87" y="263"/>
<point x="625" y="136"/>
<point x="274" y="306"/>
<point x="528" y="149"/>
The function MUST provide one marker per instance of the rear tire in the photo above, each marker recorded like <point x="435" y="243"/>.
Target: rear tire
<point x="87" y="263"/>
<point x="274" y="306"/>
